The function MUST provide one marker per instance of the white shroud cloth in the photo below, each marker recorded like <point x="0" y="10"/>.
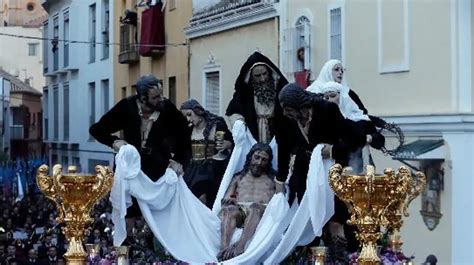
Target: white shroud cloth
<point x="315" y="210"/>
<point x="191" y="232"/>
<point x="185" y="226"/>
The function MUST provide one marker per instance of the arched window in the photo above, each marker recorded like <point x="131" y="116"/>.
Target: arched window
<point x="303" y="44"/>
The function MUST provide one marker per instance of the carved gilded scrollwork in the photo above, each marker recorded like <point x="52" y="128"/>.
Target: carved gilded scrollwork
<point x="74" y="196"/>
<point x="375" y="201"/>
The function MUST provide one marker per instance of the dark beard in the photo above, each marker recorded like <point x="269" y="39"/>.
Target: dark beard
<point x="256" y="171"/>
<point x="265" y="92"/>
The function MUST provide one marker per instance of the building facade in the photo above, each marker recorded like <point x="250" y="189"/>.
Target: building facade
<point x="78" y="66"/>
<point x="164" y="53"/>
<point x="21" y="13"/>
<point x="411" y="63"/>
<point x="21" y="118"/>
<point x="222" y="35"/>
<point x="23" y="57"/>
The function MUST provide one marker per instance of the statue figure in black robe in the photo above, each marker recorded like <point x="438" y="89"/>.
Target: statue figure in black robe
<point x="255" y="100"/>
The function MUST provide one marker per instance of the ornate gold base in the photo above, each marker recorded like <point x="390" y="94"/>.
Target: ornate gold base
<point x="76" y="259"/>
<point x="122" y="255"/>
<point x="319" y="255"/>
<point x="396" y="241"/>
<point x="368" y="255"/>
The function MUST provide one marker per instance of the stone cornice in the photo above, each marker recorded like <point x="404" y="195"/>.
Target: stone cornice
<point x="232" y="18"/>
<point x="435" y="124"/>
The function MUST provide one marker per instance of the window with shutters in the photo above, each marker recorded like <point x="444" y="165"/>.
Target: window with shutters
<point x="66" y="38"/>
<point x="303" y="44"/>
<point x="92" y="35"/>
<point x="55" y="112"/>
<point x="91" y="105"/>
<point x="66" y="111"/>
<point x="172" y="89"/>
<point x="55" y="43"/>
<point x="336" y="33"/>
<point x="105" y="95"/>
<point x="212" y="91"/>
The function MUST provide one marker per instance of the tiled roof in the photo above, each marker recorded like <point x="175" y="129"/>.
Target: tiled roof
<point x="18" y="86"/>
<point x="36" y="22"/>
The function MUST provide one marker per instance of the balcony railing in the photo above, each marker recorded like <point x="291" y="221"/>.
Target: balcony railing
<point x="128" y="48"/>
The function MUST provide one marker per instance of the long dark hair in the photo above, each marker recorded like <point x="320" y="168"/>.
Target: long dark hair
<point x="258" y="147"/>
<point x="210" y="118"/>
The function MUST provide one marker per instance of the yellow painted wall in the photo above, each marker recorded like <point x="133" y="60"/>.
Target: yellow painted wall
<point x="174" y="62"/>
<point x="429" y="75"/>
<point x="231" y="49"/>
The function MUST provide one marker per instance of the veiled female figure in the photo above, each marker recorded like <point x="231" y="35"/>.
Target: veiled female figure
<point x="210" y="154"/>
<point x="333" y="70"/>
<point x="339" y="94"/>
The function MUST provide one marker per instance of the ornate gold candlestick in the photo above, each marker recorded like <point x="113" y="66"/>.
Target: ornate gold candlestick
<point x="74" y="196"/>
<point x="319" y="255"/>
<point x="372" y="201"/>
<point x="393" y="215"/>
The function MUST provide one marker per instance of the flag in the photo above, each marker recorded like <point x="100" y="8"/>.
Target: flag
<point x="21" y="192"/>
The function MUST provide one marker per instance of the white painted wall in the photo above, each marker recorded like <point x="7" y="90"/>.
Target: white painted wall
<point x="84" y="73"/>
<point x="14" y="56"/>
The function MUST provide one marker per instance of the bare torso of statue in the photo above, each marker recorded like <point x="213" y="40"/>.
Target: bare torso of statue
<point x="250" y="189"/>
<point x="245" y="200"/>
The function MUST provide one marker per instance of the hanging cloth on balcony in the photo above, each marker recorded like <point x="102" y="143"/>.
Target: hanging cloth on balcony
<point x="302" y="78"/>
<point x="152" y="30"/>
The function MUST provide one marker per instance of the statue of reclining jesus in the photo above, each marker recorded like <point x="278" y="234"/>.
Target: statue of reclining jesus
<point x="245" y="200"/>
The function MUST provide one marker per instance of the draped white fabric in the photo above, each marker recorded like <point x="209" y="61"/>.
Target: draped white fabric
<point x="315" y="210"/>
<point x="191" y="232"/>
<point x="185" y="226"/>
<point x="347" y="106"/>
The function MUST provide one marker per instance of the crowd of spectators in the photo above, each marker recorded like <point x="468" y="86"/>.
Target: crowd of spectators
<point x="30" y="234"/>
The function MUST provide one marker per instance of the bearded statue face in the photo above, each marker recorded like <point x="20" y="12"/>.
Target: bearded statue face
<point x="259" y="163"/>
<point x="263" y="84"/>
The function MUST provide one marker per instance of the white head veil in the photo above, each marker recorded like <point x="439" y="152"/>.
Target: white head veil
<point x="325" y="75"/>
<point x="347" y="106"/>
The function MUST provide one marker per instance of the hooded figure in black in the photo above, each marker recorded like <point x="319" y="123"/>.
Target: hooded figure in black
<point x="255" y="100"/>
<point x="315" y="121"/>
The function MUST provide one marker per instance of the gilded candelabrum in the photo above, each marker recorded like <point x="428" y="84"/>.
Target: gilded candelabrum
<point x="393" y="214"/>
<point x="74" y="196"/>
<point x="374" y="201"/>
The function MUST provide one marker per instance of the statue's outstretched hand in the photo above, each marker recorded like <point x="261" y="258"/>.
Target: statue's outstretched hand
<point x="177" y="167"/>
<point x="117" y="144"/>
<point x="228" y="201"/>
<point x="279" y="187"/>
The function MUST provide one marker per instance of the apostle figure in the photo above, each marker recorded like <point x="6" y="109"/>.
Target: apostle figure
<point x="255" y="100"/>
<point x="154" y="126"/>
<point x="316" y="121"/>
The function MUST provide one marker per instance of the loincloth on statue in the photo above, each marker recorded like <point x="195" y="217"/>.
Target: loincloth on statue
<point x="244" y="209"/>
